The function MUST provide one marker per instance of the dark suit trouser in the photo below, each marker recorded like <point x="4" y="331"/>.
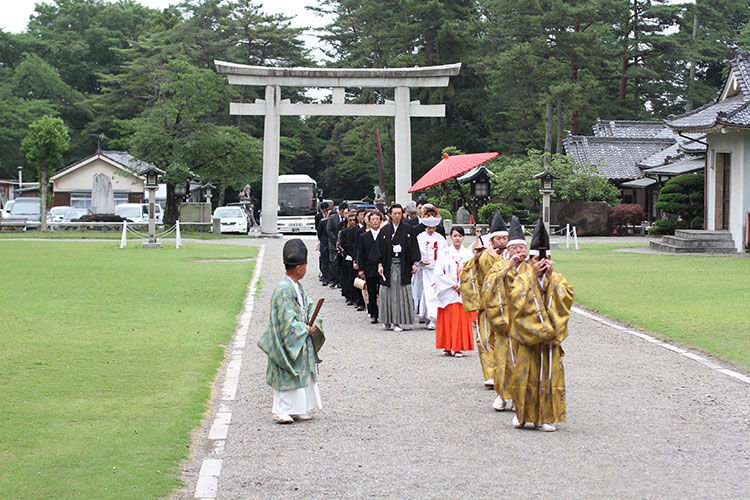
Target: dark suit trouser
<point x="324" y="266"/>
<point x="373" y="285"/>
<point x="346" y="279"/>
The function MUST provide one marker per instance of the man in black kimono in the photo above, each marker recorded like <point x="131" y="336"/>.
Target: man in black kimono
<point x="367" y="267"/>
<point x="348" y="238"/>
<point x="397" y="255"/>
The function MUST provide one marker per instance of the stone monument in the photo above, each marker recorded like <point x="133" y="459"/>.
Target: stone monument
<point x="102" y="196"/>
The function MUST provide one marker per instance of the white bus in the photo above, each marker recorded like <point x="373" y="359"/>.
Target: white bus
<point x="298" y="203"/>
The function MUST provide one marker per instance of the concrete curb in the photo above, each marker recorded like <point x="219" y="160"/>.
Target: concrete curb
<point x="208" y="477"/>
<point x="683" y="352"/>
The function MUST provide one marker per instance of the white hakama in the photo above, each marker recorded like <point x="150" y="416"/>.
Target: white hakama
<point x="297" y="401"/>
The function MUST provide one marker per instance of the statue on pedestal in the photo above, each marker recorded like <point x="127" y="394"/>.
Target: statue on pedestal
<point x="245" y="194"/>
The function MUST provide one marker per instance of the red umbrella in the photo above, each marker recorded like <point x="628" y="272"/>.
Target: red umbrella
<point x="450" y="167"/>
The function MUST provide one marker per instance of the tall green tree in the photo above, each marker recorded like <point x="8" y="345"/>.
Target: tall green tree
<point x="44" y="146"/>
<point x="179" y="133"/>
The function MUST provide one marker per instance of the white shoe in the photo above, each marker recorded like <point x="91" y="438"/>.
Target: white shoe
<point x="510" y="405"/>
<point x="386" y="326"/>
<point x="303" y="417"/>
<point x="499" y="403"/>
<point x="458" y="354"/>
<point x="489" y="382"/>
<point x="283" y="418"/>
<point x="516" y="423"/>
<point x="545" y="427"/>
<point x="397" y="328"/>
<point x="431" y="326"/>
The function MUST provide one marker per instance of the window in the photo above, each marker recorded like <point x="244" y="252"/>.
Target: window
<point x="80" y="200"/>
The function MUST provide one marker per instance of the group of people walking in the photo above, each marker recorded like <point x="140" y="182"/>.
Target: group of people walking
<point x="404" y="269"/>
<point x="522" y="310"/>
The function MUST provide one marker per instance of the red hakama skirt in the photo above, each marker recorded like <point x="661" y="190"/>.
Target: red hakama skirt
<point x="453" y="328"/>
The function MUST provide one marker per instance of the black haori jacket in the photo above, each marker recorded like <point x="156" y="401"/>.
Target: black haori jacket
<point x="382" y="252"/>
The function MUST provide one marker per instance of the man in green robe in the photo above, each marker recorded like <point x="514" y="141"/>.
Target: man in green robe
<point x="288" y="342"/>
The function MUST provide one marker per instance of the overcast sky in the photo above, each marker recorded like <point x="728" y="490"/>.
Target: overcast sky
<point x="15" y="14"/>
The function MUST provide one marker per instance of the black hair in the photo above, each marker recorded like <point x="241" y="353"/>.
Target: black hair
<point x="343" y="205"/>
<point x="361" y="210"/>
<point x="395" y="205"/>
<point x="289" y="267"/>
<point x="376" y="212"/>
<point x="459" y="230"/>
<point x="324" y="205"/>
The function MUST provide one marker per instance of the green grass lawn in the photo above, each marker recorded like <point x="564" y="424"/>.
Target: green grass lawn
<point x="109" y="235"/>
<point x="696" y="300"/>
<point x="106" y="362"/>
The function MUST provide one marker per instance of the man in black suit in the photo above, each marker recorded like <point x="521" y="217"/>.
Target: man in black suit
<point x="348" y="238"/>
<point x="336" y="222"/>
<point x="367" y="267"/>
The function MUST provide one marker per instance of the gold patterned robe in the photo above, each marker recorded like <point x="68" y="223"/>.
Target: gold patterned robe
<point x="538" y="325"/>
<point x="472" y="279"/>
<point x="496" y="292"/>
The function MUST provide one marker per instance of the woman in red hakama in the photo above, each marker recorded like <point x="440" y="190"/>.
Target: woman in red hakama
<point x="453" y="332"/>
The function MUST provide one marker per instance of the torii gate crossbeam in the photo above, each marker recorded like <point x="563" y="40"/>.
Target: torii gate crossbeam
<point x="338" y="79"/>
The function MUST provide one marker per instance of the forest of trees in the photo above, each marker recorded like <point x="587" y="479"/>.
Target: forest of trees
<point x="145" y="78"/>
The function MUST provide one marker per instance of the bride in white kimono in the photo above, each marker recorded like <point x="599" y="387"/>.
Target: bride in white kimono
<point x="431" y="244"/>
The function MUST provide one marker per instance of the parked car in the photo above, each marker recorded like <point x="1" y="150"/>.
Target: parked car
<point x="233" y="219"/>
<point x="247" y="208"/>
<point x="56" y="214"/>
<point x="5" y="212"/>
<point x="73" y="214"/>
<point x="138" y="212"/>
<point x="29" y="209"/>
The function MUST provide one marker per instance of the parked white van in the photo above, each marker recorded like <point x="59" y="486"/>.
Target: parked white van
<point x="138" y="212"/>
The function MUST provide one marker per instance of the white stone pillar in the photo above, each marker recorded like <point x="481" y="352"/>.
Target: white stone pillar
<point x="402" y="145"/>
<point x="271" y="147"/>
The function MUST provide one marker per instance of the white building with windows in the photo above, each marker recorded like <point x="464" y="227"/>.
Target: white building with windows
<point x="72" y="185"/>
<point x="726" y="123"/>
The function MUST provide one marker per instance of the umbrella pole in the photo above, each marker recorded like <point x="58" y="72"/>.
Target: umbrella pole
<point x="463" y="198"/>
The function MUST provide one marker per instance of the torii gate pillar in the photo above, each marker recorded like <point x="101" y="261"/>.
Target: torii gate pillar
<point x="338" y="79"/>
<point x="402" y="145"/>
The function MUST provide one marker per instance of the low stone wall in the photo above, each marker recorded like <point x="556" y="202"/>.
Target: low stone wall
<point x="589" y="218"/>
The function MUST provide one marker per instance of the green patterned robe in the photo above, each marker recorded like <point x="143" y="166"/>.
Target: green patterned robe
<point x="291" y="356"/>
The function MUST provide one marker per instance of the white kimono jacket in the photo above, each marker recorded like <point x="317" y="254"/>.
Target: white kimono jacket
<point x="430" y="248"/>
<point x="447" y="272"/>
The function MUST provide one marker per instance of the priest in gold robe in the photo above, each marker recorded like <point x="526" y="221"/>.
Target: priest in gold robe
<point x="539" y="303"/>
<point x="472" y="290"/>
<point x="498" y="285"/>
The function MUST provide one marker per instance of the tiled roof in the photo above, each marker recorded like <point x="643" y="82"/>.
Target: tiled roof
<point x="732" y="111"/>
<point x="677" y="168"/>
<point x="712" y="115"/>
<point x="121" y="157"/>
<point x="741" y="68"/>
<point x="616" y="157"/>
<point x="627" y="128"/>
<point x="128" y="160"/>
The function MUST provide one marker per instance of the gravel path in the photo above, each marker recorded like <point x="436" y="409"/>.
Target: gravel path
<point x="402" y="421"/>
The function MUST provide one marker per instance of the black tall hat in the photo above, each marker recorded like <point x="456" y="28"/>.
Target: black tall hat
<point x="295" y="252"/>
<point x="540" y="240"/>
<point x="498" y="227"/>
<point x="515" y="235"/>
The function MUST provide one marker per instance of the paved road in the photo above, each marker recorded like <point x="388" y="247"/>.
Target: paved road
<point x="402" y="421"/>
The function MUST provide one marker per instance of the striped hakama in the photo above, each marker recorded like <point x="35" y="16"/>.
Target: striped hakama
<point x="396" y="304"/>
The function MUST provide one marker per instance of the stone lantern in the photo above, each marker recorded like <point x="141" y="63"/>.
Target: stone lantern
<point x="152" y="175"/>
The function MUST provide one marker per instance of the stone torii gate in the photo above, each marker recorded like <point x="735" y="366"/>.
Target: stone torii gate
<point x="338" y="79"/>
